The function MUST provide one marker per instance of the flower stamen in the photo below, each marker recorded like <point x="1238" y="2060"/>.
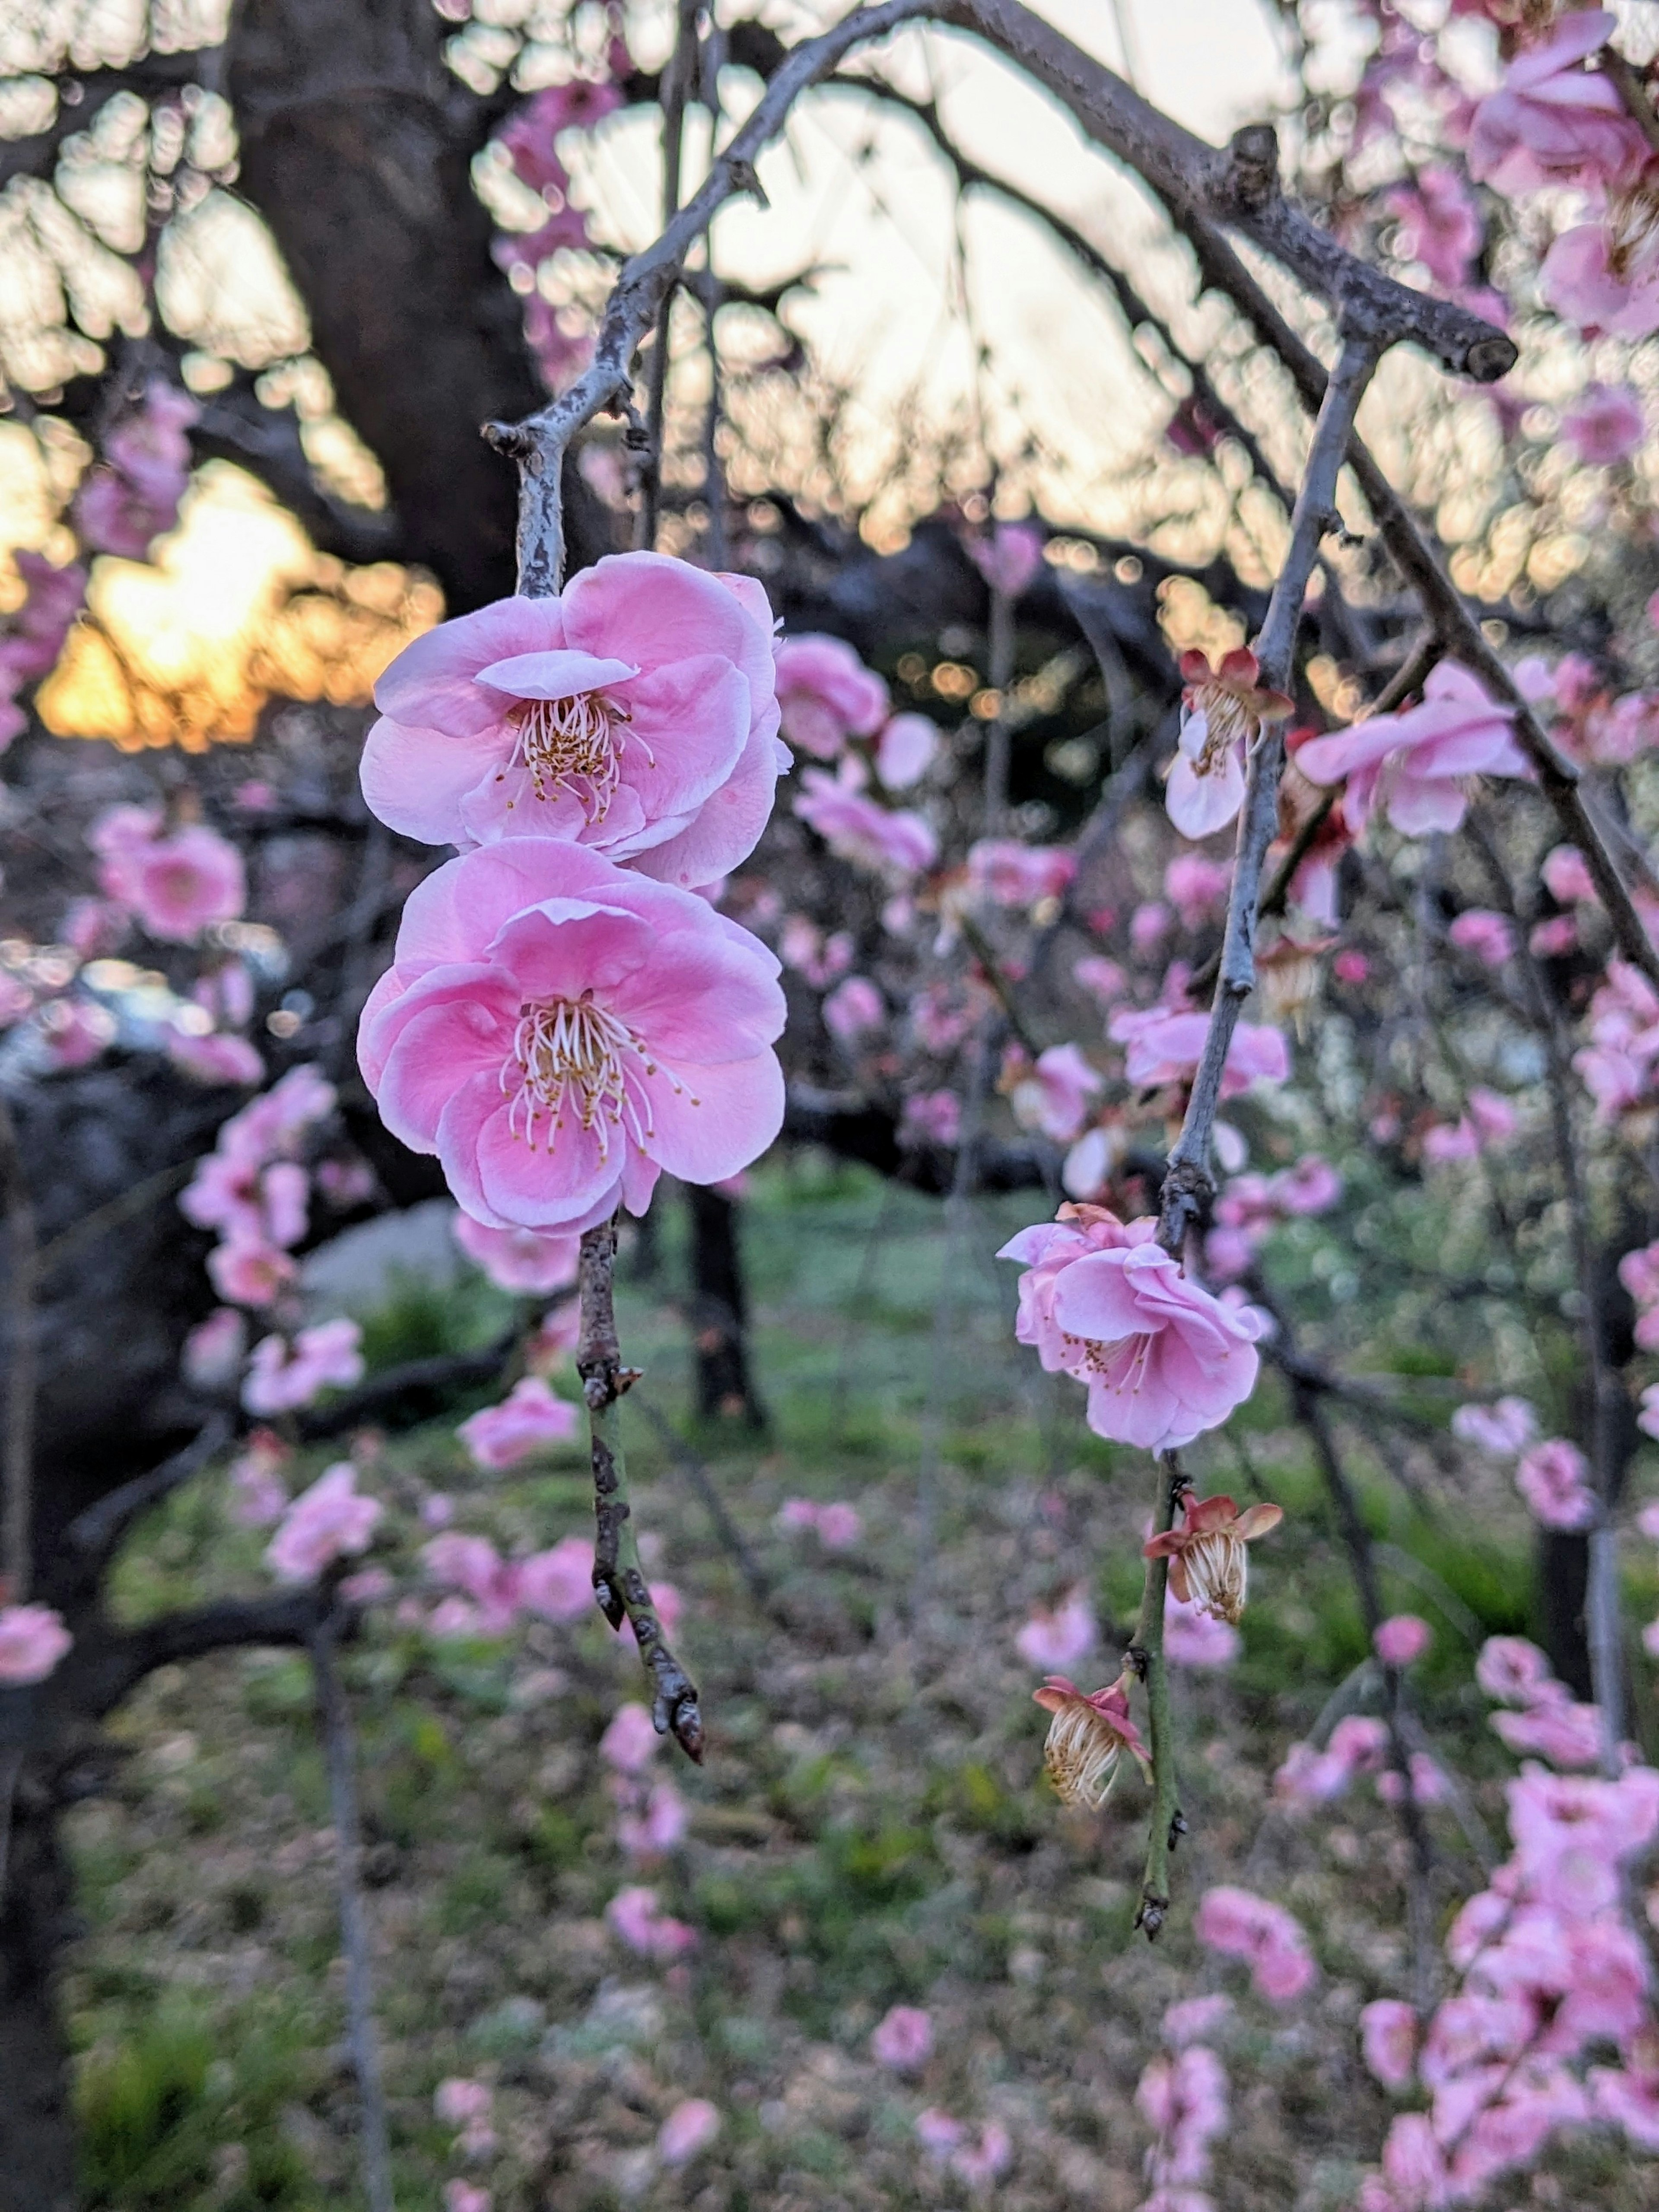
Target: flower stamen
<point x="573" y="745"/>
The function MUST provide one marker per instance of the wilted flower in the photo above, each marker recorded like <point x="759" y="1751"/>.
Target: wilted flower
<point x="1087" y="1738"/>
<point x="1224" y="710"/>
<point x="1207" y="1555"/>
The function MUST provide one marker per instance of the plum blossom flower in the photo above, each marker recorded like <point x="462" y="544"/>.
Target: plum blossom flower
<point x="465" y="2196"/>
<point x="1224" y="710"/>
<point x="1053" y="1094"/>
<point x="932" y="1117"/>
<point x="1162" y="1358"/>
<point x="519" y="1260"/>
<point x="1566" y="1734"/>
<point x="1504" y="1429"/>
<point x="1059" y="1639"/>
<point x="887" y="840"/>
<point x="1489" y="936"/>
<point x="1009" y="558"/>
<point x="33" y="1639"/>
<point x="214" y="1350"/>
<point x="1196" y="887"/>
<point x="246" y="1271"/>
<point x="1417" y="764"/>
<point x="1604" y="424"/>
<point x="826" y="695"/>
<point x="132" y="495"/>
<point x="1605" y="279"/>
<point x="689" y="2130"/>
<point x="1401" y="1639"/>
<point x="1087" y="1738"/>
<point x="902" y="2039"/>
<point x="1306" y="1776"/>
<point x="219" y="1059"/>
<point x="1554" y="1477"/>
<point x="1194" y="2019"/>
<point x="559" y="1031"/>
<point x="558" y="1583"/>
<point x="1241" y="1925"/>
<point x="1440" y="224"/>
<point x="34" y="633"/>
<point x="633" y="714"/>
<point x="1516" y="1673"/>
<point x="1387" y="2035"/>
<point x="854" y="1009"/>
<point x="258" y="1497"/>
<point x="1553" y="122"/>
<point x="282" y="1377"/>
<point x="1166" y="1046"/>
<point x="331" y="1520"/>
<point x="638" y="1921"/>
<point x="1009" y="873"/>
<point x="905" y="751"/>
<point x="650" y="1830"/>
<point x="527" y="1420"/>
<point x="1183" y="2097"/>
<point x="1206" y="1554"/>
<point x="458" y="2102"/>
<point x="177" y="885"/>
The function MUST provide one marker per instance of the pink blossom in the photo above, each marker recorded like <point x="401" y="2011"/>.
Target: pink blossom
<point x="827" y="696"/>
<point x="1567" y="876"/>
<point x="214" y="1350"/>
<point x="633" y="715"/>
<point x="1311" y="1186"/>
<point x="1565" y="1734"/>
<point x="1490" y="1114"/>
<point x="472" y="1565"/>
<point x="219" y="1059"/>
<point x="1089" y="1165"/>
<point x="463" y="2196"/>
<point x="1401" y="1638"/>
<point x="246" y="1271"/>
<point x="659" y="1828"/>
<point x="1424" y="1778"/>
<point x="177" y="885"/>
<point x="938" y="2133"/>
<point x="1504" y="1428"/>
<point x="1630" y="2099"/>
<point x="283" y="1378"/>
<point x="1387" y="2032"/>
<point x="1055" y="1642"/>
<point x="326" y="1522"/>
<point x="1163" y="1360"/>
<point x="1440" y="224"/>
<point x="1553" y="938"/>
<point x="1166" y="1046"/>
<point x="519" y="1260"/>
<point x="33" y="1639"/>
<point x="1604" y="424"/>
<point x="630" y="1741"/>
<point x="1197" y="888"/>
<point x="457" y="2101"/>
<point x="1195" y="2020"/>
<point x="689" y="2128"/>
<point x="1054" y="1097"/>
<point x="903" y="2040"/>
<point x="1009" y="873"/>
<point x="1418" y="764"/>
<point x="1241" y="1925"/>
<point x="1010" y="558"/>
<point x="558" y="1583"/>
<point x="886" y="840"/>
<point x="1447" y="1143"/>
<point x="1602" y="282"/>
<point x="93" y="926"/>
<point x="133" y="494"/>
<point x="1149" y="925"/>
<point x="1489" y="936"/>
<point x="853" y="1009"/>
<point x="258" y="1497"/>
<point x="559" y="1031"/>
<point x="840" y="1527"/>
<point x="1552" y="122"/>
<point x="978" y="2165"/>
<point x="1185" y="2099"/>
<point x="906" y="751"/>
<point x="639" y="1921"/>
<point x="1194" y="1637"/>
<point x="1639" y="1272"/>
<point x="1516" y="1673"/>
<point x="1412" y="2165"/>
<point x="932" y="1117"/>
<point x="1357" y="1744"/>
<point x="34" y="633"/>
<point x="1554" y="1477"/>
<point x="73" y="1032"/>
<point x="527" y="1419"/>
<point x="1101" y="978"/>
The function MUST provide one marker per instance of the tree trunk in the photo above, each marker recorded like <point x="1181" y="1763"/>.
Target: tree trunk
<point x="719" y="1316"/>
<point x="36" y="2142"/>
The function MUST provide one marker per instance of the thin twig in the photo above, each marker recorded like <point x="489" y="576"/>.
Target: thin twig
<point x="1145" y="1655"/>
<point x="334" y="1719"/>
<point x="619" y="1581"/>
<point x="17" y="1454"/>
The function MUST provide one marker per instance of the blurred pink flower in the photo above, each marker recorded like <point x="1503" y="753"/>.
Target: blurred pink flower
<point x="1009" y="873"/>
<point x="978" y="2165"/>
<point x="178" y="884"/>
<point x="1241" y="1925"/>
<point x="1418" y="764"/>
<point x="1166" y="1046"/>
<point x="1387" y="2032"/>
<point x="1504" y="1428"/>
<point x="1010" y="558"/>
<point x="34" y="633"/>
<point x="827" y="695"/>
<point x="214" y="1351"/>
<point x="519" y="1260"/>
<point x="328" y="1522"/>
<point x="246" y="1272"/>
<point x="689" y="2128"/>
<point x="1489" y="936"/>
<point x="840" y="1526"/>
<point x="640" y="1922"/>
<point x="1440" y="224"/>
<point x="1055" y="1642"/>
<point x="854" y="1009"/>
<point x="1604" y="424"/>
<point x="1516" y="1673"/>
<point x="658" y="1828"/>
<point x="633" y="715"/>
<point x="886" y="840"/>
<point x="1100" y="978"/>
<point x="258" y="1498"/>
<point x="132" y="494"/>
<point x="1194" y="1637"/>
<point x="1554" y="1477"/>
<point x="281" y="1377"/>
<point x="938" y="2133"/>
<point x="1197" y="888"/>
<point x="1053" y="1095"/>
<point x="33" y="1639"/>
<point x="1194" y="2019"/>
<point x="630" y="1741"/>
<point x="1552" y="122"/>
<point x="906" y="751"/>
<point x="558" y="1583"/>
<point x="528" y="1418"/>
<point x="1401" y="1638"/>
<point x="218" y="1059"/>
<point x="463" y="2196"/>
<point x="1564" y="1733"/>
<point x="1602" y="282"/>
<point x="1149" y="925"/>
<point x="457" y="2101"/>
<point x="934" y="1117"/>
<point x="903" y="2040"/>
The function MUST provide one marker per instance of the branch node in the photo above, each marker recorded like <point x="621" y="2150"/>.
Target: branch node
<point x="1250" y="176"/>
<point x="1154" y="1911"/>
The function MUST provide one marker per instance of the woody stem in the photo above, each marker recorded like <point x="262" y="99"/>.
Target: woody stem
<point x="619" y="1582"/>
<point x="1146" y="1654"/>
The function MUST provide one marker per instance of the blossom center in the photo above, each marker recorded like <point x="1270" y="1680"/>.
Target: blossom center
<point x="1216" y="1565"/>
<point x="1227" y="721"/>
<point x="571" y="745"/>
<point x="571" y="1061"/>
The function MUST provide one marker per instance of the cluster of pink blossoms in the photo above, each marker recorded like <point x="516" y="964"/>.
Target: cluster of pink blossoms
<point x="34" y="635"/>
<point x="1101" y="1301"/>
<point x="1238" y="1924"/>
<point x="565" y="1019"/>
<point x="1617" y="1066"/>
<point x="330" y="1521"/>
<point x="132" y="494"/>
<point x="1182" y="2097"/>
<point x="651" y="1817"/>
<point x="1252" y="1205"/>
<point x="488" y="1594"/>
<point x="559" y="345"/>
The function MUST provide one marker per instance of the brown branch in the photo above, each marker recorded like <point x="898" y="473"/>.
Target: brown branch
<point x="17" y="1448"/>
